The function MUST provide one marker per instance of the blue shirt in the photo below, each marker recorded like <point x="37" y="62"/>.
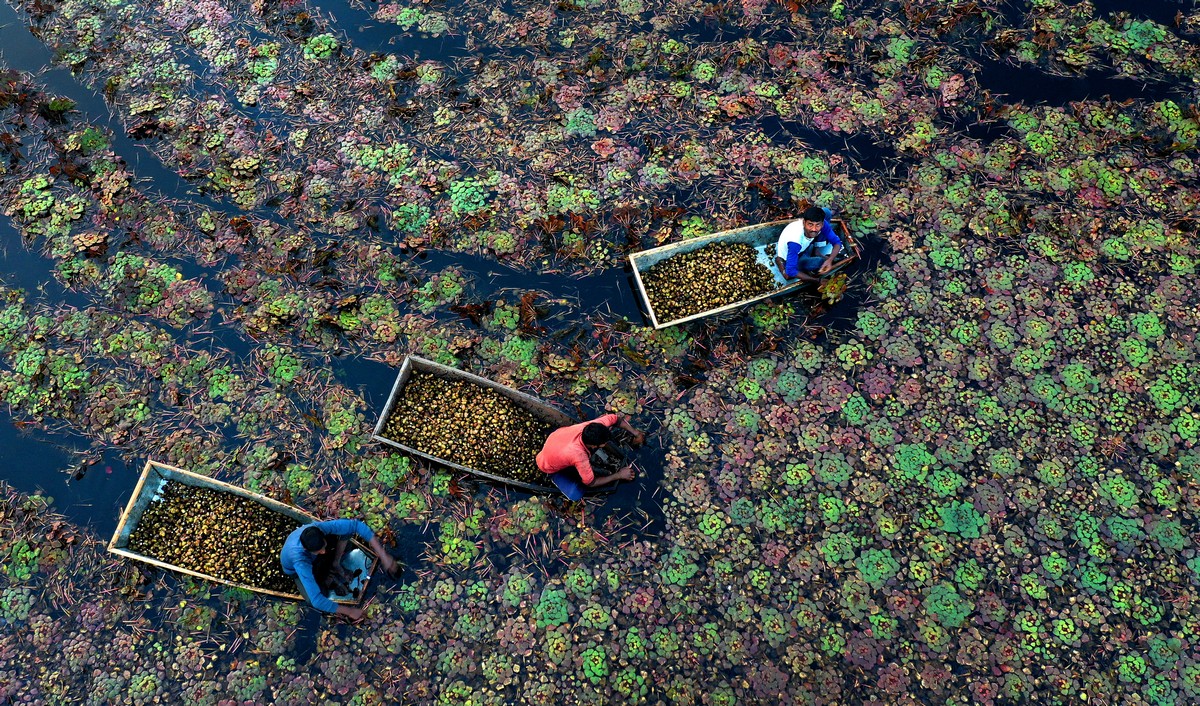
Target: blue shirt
<point x="298" y="561"/>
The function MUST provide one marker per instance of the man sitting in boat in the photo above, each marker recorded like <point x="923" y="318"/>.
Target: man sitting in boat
<point x="567" y="454"/>
<point x="807" y="247"/>
<point x="312" y="554"/>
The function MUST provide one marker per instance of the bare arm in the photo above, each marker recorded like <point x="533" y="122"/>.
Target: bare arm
<point x="385" y="559"/>
<point x="338" y="553"/>
<point x="350" y="612"/>
<point x="782" y="267"/>
<point x="638" y="437"/>
<point x="625" y="473"/>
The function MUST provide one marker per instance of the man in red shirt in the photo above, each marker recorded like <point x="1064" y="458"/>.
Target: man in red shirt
<point x="567" y="454"/>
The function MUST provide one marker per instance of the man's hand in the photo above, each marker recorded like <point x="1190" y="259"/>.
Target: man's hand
<point x="638" y="437"/>
<point x="625" y="473"/>
<point x="825" y="267"/>
<point x="350" y="613"/>
<point x="385" y="560"/>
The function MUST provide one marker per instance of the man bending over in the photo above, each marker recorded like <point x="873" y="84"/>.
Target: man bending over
<point x="567" y="454"/>
<point x="312" y="554"/>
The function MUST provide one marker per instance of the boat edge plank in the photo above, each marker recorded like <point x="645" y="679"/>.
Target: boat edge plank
<point x="528" y="402"/>
<point x="696" y="243"/>
<point x="204" y="481"/>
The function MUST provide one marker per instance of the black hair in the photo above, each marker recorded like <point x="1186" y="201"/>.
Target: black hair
<point x="814" y="214"/>
<point x="596" y="434"/>
<point x="313" y="539"/>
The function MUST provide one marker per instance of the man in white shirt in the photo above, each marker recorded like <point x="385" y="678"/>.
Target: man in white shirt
<point x="807" y="247"/>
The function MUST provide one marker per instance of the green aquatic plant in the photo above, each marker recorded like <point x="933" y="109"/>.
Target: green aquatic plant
<point x="962" y="518"/>
<point x="445" y="286"/>
<point x="34" y="198"/>
<point x="913" y="461"/>
<point x="877" y="567"/>
<point x="947" y="606"/>
<point x="23" y="561"/>
<point x="1003" y="462"/>
<point x="580" y="122"/>
<point x="580" y="581"/>
<point x="551" y="609"/>
<point x="1126" y="532"/>
<point x="467" y="196"/>
<point x="871" y="325"/>
<point x="832" y="508"/>
<point x="839" y="547"/>
<point x="595" y="616"/>
<point x="321" y="46"/>
<point x="852" y="354"/>
<point x="771" y="316"/>
<point x="678" y="567"/>
<point x="1169" y="534"/>
<point x="16" y="604"/>
<point x="712" y="524"/>
<point x="1120" y="491"/>
<point x="567" y="198"/>
<point x="945" y="482"/>
<point x="630" y="684"/>
<point x="594" y="664"/>
<point x="969" y="575"/>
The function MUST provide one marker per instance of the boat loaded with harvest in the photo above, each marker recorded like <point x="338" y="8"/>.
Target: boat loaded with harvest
<point x="468" y="423"/>
<point x="720" y="272"/>
<point x="202" y="527"/>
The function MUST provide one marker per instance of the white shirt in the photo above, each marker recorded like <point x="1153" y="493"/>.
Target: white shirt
<point x="792" y="233"/>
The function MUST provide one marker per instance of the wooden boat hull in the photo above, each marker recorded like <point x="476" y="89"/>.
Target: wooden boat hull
<point x="529" y="403"/>
<point x="761" y="237"/>
<point x="156" y="474"/>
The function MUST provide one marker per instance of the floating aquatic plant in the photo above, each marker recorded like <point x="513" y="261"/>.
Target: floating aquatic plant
<point x="1069" y="337"/>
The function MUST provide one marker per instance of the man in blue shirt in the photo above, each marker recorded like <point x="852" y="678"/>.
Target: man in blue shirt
<point x="322" y="544"/>
<point x="807" y="247"/>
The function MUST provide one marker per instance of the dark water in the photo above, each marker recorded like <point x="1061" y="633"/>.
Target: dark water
<point x="47" y="461"/>
<point x="51" y="465"/>
<point x="1163" y="12"/>
<point x="1019" y="86"/>
<point x="27" y="270"/>
<point x="21" y="51"/>
<point x="370" y="35"/>
<point x="1033" y="87"/>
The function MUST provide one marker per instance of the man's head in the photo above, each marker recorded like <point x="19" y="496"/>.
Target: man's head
<point x="814" y="218"/>
<point x="596" y="435"/>
<point x="313" y="540"/>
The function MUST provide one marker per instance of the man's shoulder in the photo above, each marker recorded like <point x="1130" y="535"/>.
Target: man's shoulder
<point x="564" y="434"/>
<point x="342" y="525"/>
<point x="793" y="230"/>
<point x="607" y="420"/>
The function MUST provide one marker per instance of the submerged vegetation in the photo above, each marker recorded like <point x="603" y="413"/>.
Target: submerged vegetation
<point x="976" y="484"/>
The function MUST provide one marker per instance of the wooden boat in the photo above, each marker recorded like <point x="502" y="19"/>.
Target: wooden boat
<point x="155" y="475"/>
<point x="529" y="403"/>
<point x="762" y="238"/>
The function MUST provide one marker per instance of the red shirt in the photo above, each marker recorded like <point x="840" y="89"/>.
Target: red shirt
<point x="564" y="448"/>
